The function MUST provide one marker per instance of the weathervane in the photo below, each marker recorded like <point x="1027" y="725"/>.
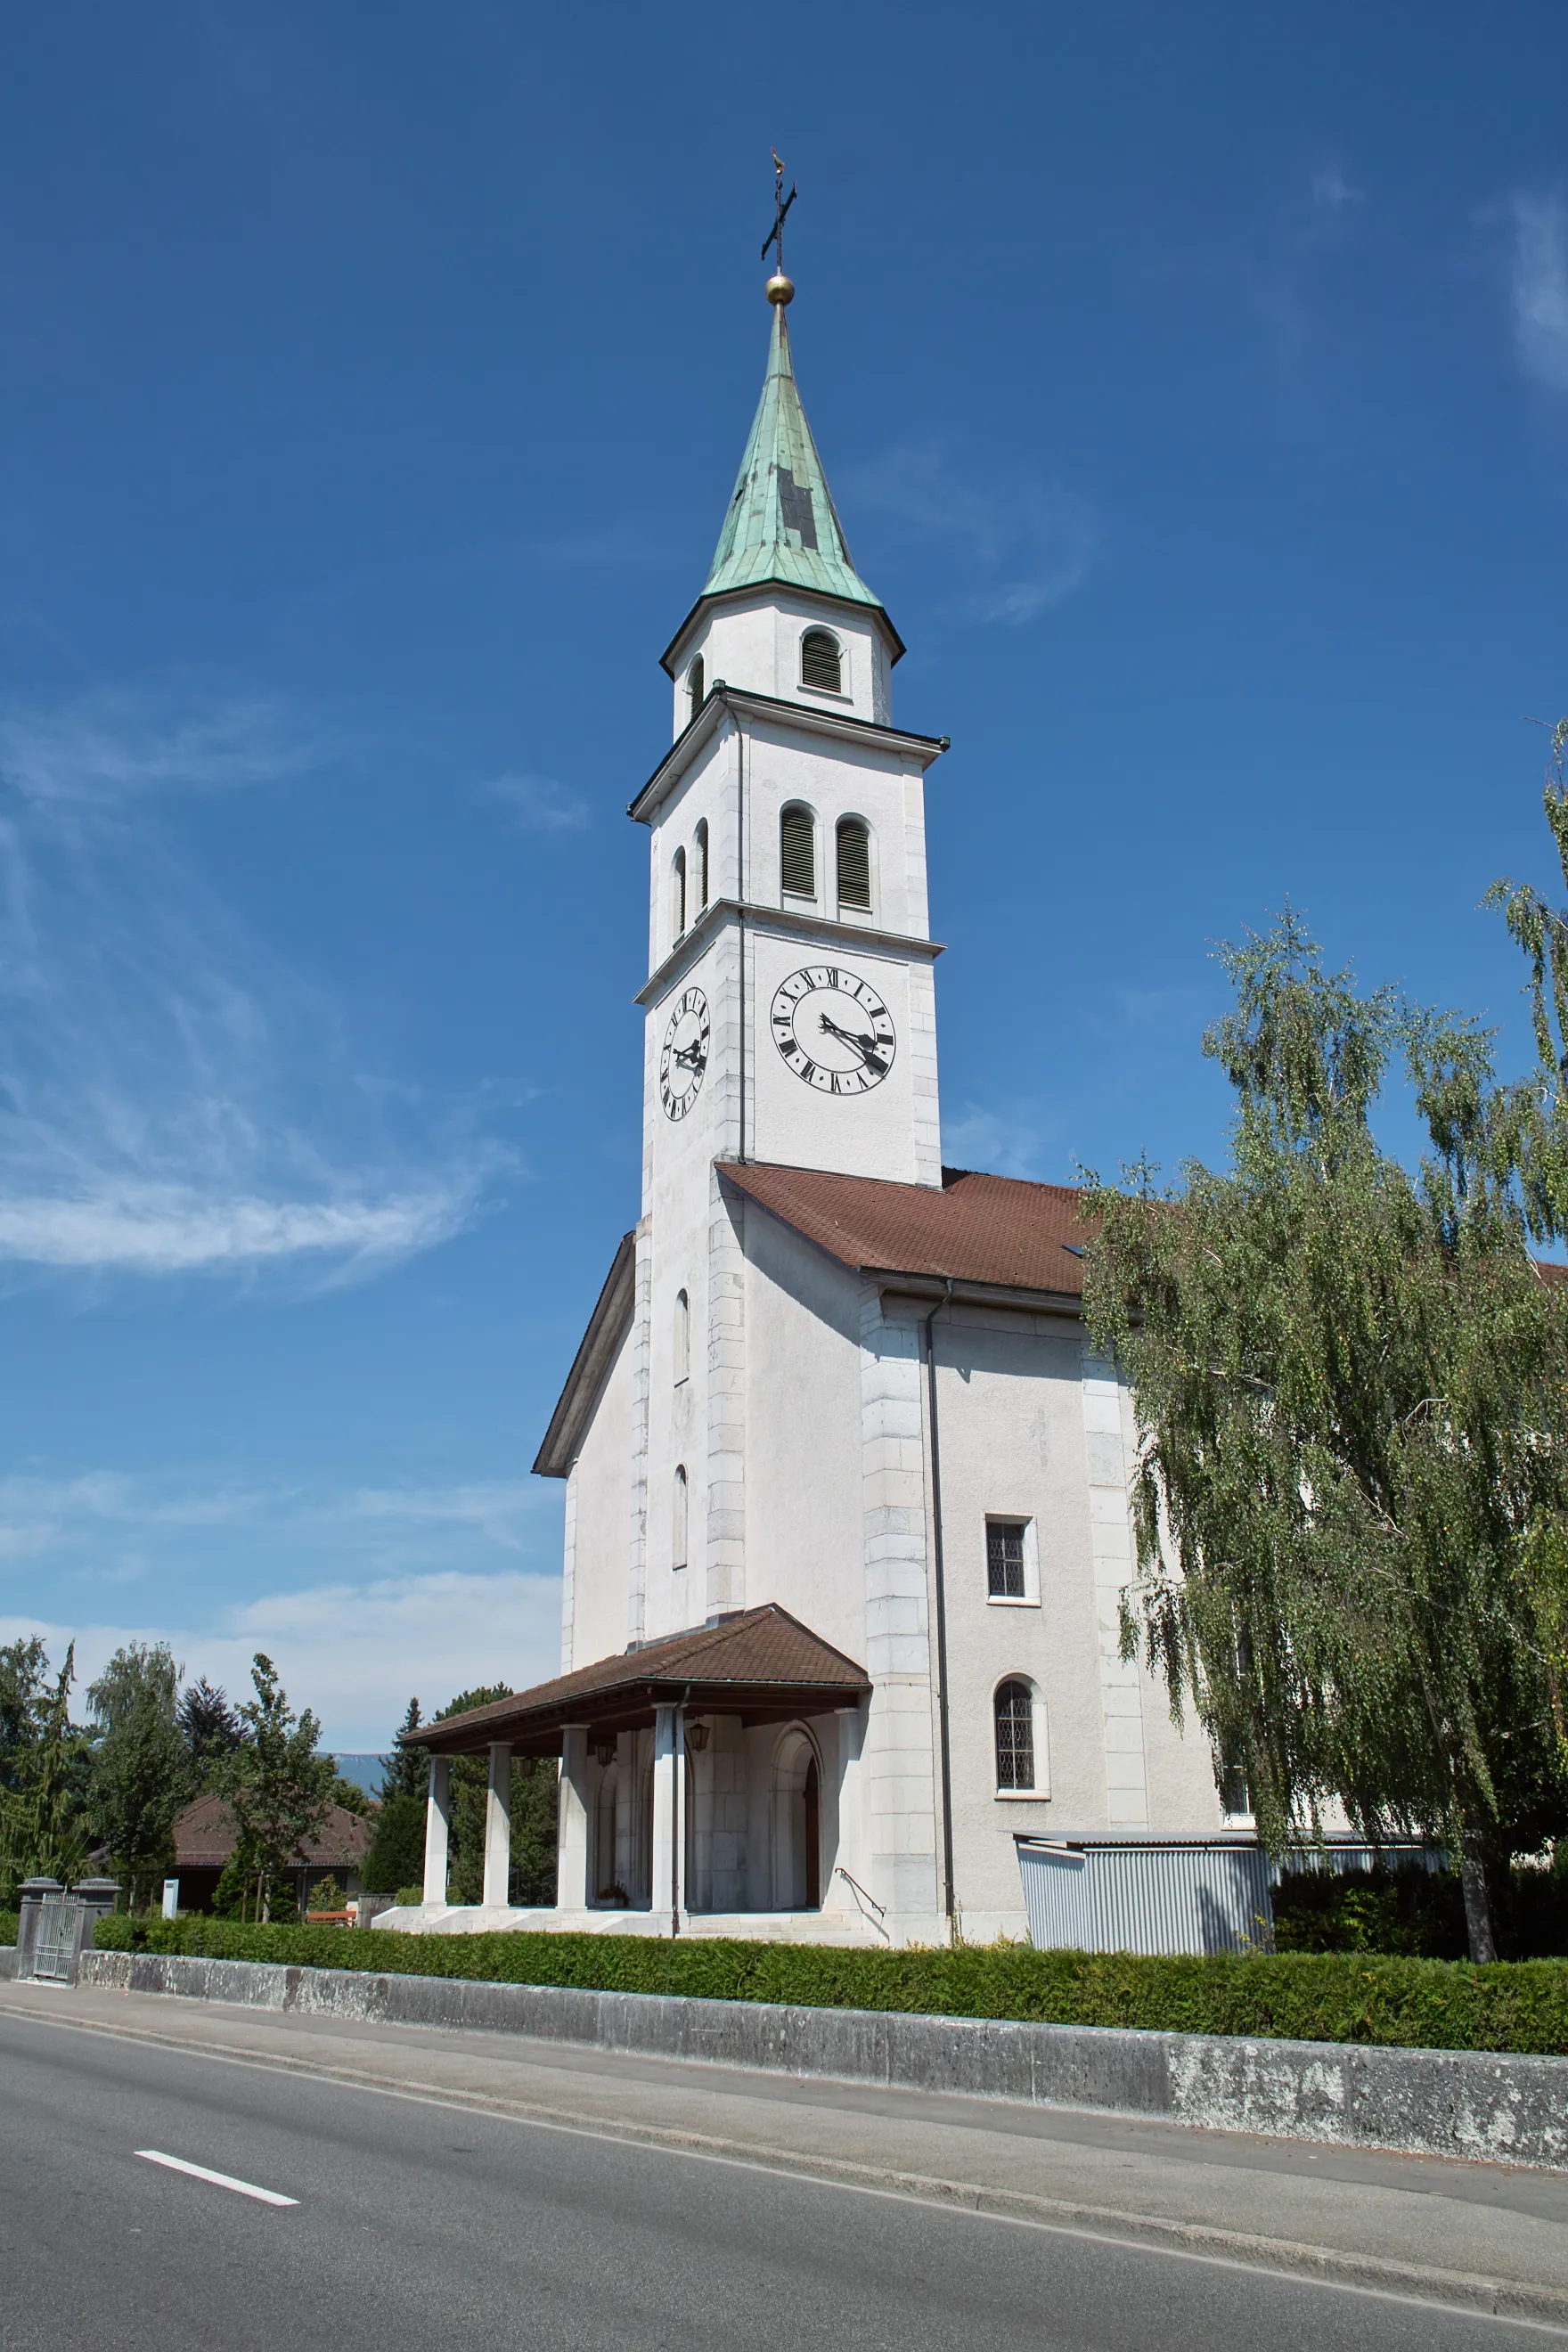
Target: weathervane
<point x="780" y="289"/>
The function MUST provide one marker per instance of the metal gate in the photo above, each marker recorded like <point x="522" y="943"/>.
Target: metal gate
<point x="54" y="1941"/>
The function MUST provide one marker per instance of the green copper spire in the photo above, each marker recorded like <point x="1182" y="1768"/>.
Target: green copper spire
<point x="783" y="524"/>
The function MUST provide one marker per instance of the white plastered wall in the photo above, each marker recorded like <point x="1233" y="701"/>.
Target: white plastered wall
<point x="752" y="639"/>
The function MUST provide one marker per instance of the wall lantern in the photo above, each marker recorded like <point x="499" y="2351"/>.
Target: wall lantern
<point x="697" y="1738"/>
<point x="604" y="1753"/>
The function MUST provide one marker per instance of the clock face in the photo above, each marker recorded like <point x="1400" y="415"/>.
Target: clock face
<point x="684" y="1061"/>
<point x="833" y="1030"/>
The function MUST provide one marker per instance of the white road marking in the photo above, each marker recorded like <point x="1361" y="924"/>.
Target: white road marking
<point x="219" y="2179"/>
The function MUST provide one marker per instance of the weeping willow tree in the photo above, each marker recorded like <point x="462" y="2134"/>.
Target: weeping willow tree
<point x="1350" y="1387"/>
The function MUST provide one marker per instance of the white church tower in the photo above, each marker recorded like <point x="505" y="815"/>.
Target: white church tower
<point x="846" y="1526"/>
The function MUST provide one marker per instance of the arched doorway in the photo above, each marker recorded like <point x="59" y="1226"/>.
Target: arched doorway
<point x="797" y="1825"/>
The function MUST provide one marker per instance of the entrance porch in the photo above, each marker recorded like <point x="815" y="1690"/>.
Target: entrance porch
<point x="710" y="1785"/>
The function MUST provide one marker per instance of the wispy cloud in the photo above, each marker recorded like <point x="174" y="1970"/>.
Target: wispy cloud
<point x="1000" y="1145"/>
<point x="540" y="803"/>
<point x="155" y="1055"/>
<point x="1332" y="192"/>
<point x="1538" y="285"/>
<point x="355" y="1651"/>
<point x="38" y="1514"/>
<point x="1025" y="544"/>
<point x="108" y="747"/>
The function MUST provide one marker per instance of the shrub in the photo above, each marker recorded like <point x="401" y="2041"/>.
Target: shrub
<point x="1417" y="1912"/>
<point x="9" y="1925"/>
<point x="1303" y="1996"/>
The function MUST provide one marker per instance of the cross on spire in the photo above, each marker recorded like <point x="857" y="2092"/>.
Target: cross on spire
<point x="781" y="206"/>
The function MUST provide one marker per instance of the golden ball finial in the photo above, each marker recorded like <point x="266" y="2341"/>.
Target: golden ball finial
<point x="780" y="289"/>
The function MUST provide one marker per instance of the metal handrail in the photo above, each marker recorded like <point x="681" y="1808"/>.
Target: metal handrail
<point x="860" y="1895"/>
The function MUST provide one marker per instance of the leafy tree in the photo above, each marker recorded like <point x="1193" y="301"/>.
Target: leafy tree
<point x="45" y="1769"/>
<point x="1349" y="1389"/>
<point x="139" y="1766"/>
<point x="348" y="1795"/>
<point x="277" y="1788"/>
<point x="209" y="1727"/>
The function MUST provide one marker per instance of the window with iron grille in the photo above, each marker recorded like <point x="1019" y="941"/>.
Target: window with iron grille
<point x="1014" y="1736"/>
<point x="677" y="1517"/>
<point x="797" y="852"/>
<point x="820" y="662"/>
<point x="695" y="687"/>
<point x="677" y="892"/>
<point x="1004" y="1560"/>
<point x="700" y="865"/>
<point x="853" y="863"/>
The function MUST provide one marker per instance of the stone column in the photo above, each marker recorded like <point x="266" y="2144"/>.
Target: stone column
<point x="573" y="1890"/>
<point x="669" y="1795"/>
<point x="498" y="1828"/>
<point x="437" y="1829"/>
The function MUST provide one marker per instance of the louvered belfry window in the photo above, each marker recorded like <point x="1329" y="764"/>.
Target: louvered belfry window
<point x="1015" y="1737"/>
<point x="678" y="893"/>
<point x="700" y="864"/>
<point x="819" y="661"/>
<point x="797" y="854"/>
<point x="1004" y="1560"/>
<point x="694" y="686"/>
<point x="853" y="863"/>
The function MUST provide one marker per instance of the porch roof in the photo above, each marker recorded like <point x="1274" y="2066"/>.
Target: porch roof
<point x="762" y="1664"/>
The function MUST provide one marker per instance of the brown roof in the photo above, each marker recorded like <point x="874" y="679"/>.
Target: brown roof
<point x="761" y="1663"/>
<point x="996" y="1229"/>
<point x="204" y="1837"/>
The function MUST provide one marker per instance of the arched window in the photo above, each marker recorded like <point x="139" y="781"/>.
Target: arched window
<point x="695" y="687"/>
<point x="678" y="1515"/>
<point x="1014" y="1736"/>
<point x="682" y="1337"/>
<point x="677" y="892"/>
<point x="853" y="863"/>
<point x="700" y="864"/>
<point x="797" y="852"/>
<point x="820" y="662"/>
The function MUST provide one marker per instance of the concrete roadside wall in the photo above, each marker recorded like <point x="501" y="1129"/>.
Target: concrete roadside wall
<point x="1505" y="2109"/>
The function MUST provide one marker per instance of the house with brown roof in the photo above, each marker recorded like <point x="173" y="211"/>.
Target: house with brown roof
<point x="846" y="1486"/>
<point x="205" y="1837"/>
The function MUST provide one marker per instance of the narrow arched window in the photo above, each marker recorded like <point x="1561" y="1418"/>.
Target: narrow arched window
<point x="853" y="863"/>
<point x="1014" y="1736"/>
<point x="682" y="1336"/>
<point x="820" y="661"/>
<point x="797" y="852"/>
<point x="695" y="687"/>
<point x="700" y="865"/>
<point x="678" y="1528"/>
<point x="677" y="892"/>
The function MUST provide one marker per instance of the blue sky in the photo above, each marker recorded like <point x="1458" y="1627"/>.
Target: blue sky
<point x="1194" y="385"/>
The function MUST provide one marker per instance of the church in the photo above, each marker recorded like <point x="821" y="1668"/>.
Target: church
<point x="845" y="1486"/>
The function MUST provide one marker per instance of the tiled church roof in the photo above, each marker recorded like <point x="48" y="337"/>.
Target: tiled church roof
<point x="758" y="1663"/>
<point x="988" y="1229"/>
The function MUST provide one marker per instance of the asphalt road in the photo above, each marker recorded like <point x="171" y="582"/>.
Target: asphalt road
<point x="421" y="2225"/>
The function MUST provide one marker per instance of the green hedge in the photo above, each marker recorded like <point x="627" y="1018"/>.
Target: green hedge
<point x="1312" y="1997"/>
<point x="8" y="1925"/>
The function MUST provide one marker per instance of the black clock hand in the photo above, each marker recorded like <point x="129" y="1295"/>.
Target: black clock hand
<point x="692" y="1057"/>
<point x="865" y="1047"/>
